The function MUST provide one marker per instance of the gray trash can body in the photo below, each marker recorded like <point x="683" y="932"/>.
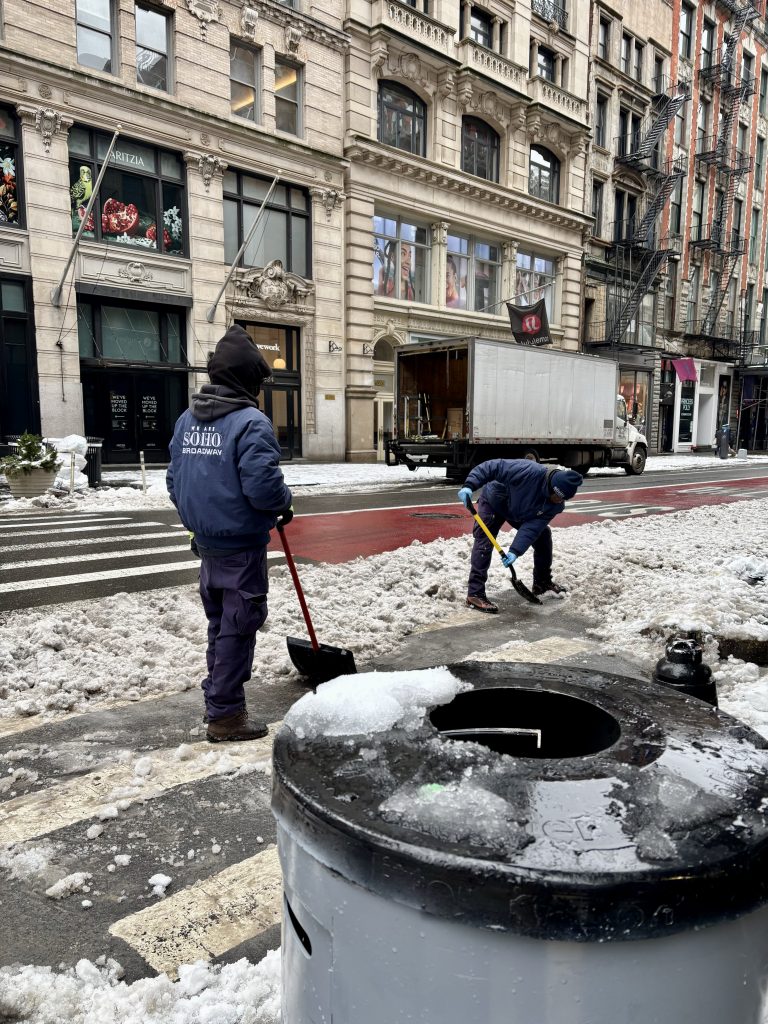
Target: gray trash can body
<point x="93" y="461"/>
<point x="724" y="441"/>
<point x="616" y="875"/>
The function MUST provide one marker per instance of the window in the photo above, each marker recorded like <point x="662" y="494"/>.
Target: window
<point x="401" y="259"/>
<point x="481" y="27"/>
<point x="18" y="361"/>
<point x="658" y="74"/>
<point x="134" y="334"/>
<point x="760" y="163"/>
<point x="681" y="126"/>
<point x="283" y="232"/>
<point x="9" y="163"/>
<point x="685" y="39"/>
<point x="625" y="212"/>
<point x="244" y="77"/>
<point x="741" y="140"/>
<point x="479" y="149"/>
<point x="707" y="43"/>
<point x="637" y="70"/>
<point x="546" y="64"/>
<point x="142" y="188"/>
<point x="697" y="210"/>
<point x="601" y="121"/>
<point x="763" y="103"/>
<point x="702" y="124"/>
<point x="598" y="190"/>
<point x="754" y="237"/>
<point x="626" y="53"/>
<point x="94" y="34"/>
<point x="676" y="208"/>
<point x="692" y="315"/>
<point x="747" y="66"/>
<point x="152" y="46"/>
<point x="535" y="279"/>
<point x="629" y="131"/>
<point x="604" y="39"/>
<point x="472" y="274"/>
<point x="402" y="119"/>
<point x="738" y="214"/>
<point x="670" y="296"/>
<point x="544" y="175"/>
<point x="287" y="97"/>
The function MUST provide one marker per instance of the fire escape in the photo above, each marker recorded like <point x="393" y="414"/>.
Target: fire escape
<point x="730" y="166"/>
<point x="636" y="254"/>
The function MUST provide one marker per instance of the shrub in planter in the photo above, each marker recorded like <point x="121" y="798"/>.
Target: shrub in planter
<point x="31" y="470"/>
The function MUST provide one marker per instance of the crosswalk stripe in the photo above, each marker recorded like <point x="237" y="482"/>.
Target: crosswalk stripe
<point x="65" y="531"/>
<point x="86" y="541"/>
<point x="210" y="917"/>
<point x="58" y="806"/>
<point x="14" y="726"/>
<point x="102" y="556"/>
<point x="18" y="527"/>
<point x="93" y="577"/>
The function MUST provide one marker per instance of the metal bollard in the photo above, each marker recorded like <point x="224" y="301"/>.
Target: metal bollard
<point x="143" y="473"/>
<point x="71" y="472"/>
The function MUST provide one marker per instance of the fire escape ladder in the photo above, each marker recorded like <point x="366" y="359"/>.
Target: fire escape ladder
<point x="729" y="261"/>
<point x="740" y="18"/>
<point x="650" y="266"/>
<point x="662" y="118"/>
<point x="665" y="184"/>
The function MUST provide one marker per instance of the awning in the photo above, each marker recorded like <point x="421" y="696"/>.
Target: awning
<point x="685" y="369"/>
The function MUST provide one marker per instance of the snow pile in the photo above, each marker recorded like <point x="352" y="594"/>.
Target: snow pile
<point x="239" y="993"/>
<point x="65" y="887"/>
<point x="73" y="445"/>
<point x="159" y="883"/>
<point x="26" y="862"/>
<point x="372" y="702"/>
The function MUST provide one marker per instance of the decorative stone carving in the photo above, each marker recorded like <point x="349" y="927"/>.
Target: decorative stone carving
<point x="205" y="139"/>
<point x="276" y="287"/>
<point x="446" y="83"/>
<point x="292" y="38"/>
<point x="208" y="164"/>
<point x="46" y="120"/>
<point x="135" y="272"/>
<point x="249" y="18"/>
<point x="439" y="232"/>
<point x="328" y="176"/>
<point x="379" y="56"/>
<point x="206" y="12"/>
<point x="509" y="251"/>
<point x="330" y="198"/>
<point x="409" y="66"/>
<point x="45" y="91"/>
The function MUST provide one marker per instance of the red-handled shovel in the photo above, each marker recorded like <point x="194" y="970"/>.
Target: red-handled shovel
<point x="318" y="662"/>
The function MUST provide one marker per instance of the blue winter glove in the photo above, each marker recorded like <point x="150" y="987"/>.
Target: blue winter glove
<point x="508" y="559"/>
<point x="465" y="496"/>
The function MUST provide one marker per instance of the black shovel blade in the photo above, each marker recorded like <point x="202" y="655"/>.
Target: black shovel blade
<point x="322" y="664"/>
<point x="521" y="588"/>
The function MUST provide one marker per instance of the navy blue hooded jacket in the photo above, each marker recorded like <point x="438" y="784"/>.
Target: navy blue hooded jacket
<point x="518" y="490"/>
<point x="224" y="476"/>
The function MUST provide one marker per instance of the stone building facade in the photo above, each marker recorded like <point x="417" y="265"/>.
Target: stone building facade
<point x="466" y="139"/>
<point x="212" y="100"/>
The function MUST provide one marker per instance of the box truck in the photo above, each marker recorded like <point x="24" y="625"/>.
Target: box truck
<point x="459" y="402"/>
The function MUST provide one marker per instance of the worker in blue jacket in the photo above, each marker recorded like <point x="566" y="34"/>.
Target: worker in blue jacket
<point x="225" y="480"/>
<point x="528" y="496"/>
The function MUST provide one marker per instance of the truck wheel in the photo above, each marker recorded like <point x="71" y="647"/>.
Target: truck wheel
<point x="532" y="456"/>
<point x="637" y="465"/>
<point x="582" y="467"/>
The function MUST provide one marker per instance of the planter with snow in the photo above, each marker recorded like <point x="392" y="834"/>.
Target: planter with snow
<point x="31" y="469"/>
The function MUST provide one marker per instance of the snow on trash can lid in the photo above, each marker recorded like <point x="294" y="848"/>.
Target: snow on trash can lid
<point x="552" y="802"/>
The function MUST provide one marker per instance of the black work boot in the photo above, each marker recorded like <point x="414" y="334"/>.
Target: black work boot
<point x="548" y="587"/>
<point x="482" y="604"/>
<point x="235" y="729"/>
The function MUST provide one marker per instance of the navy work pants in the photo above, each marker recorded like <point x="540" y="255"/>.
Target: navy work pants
<point x="233" y="589"/>
<point x="483" y="549"/>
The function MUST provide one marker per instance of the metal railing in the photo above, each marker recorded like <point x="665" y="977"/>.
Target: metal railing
<point x="711" y="236"/>
<point x="551" y="12"/>
<point x="639" y="334"/>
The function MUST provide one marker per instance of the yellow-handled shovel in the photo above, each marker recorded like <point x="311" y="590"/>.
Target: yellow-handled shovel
<point x="519" y="586"/>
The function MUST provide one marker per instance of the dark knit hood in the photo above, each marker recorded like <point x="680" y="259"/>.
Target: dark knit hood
<point x="238" y="365"/>
<point x="214" y="400"/>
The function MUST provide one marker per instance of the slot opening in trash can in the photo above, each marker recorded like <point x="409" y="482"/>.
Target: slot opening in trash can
<point x="527" y="723"/>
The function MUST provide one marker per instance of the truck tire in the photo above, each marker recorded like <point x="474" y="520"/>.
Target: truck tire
<point x="637" y="463"/>
<point x="532" y="455"/>
<point x="582" y="467"/>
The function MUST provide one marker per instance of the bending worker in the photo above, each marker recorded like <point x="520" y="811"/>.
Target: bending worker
<point x="528" y="496"/>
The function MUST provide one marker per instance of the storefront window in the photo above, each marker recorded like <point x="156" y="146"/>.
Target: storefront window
<point x="9" y="166"/>
<point x="401" y="260"/>
<point x="635" y="389"/>
<point x="685" y="422"/>
<point x="283" y="231"/>
<point x="535" y="280"/>
<point x="141" y="200"/>
<point x="18" y="380"/>
<point x="472" y="273"/>
<point x="133" y="334"/>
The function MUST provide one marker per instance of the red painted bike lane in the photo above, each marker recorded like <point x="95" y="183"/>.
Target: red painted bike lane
<point x="341" y="536"/>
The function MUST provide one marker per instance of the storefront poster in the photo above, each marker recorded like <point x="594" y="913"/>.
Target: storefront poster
<point x="685" y="423"/>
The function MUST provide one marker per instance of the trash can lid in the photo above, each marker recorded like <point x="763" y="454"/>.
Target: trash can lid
<point x="553" y="802"/>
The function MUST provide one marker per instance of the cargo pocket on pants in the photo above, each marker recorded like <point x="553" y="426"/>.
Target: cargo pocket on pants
<point x="250" y="612"/>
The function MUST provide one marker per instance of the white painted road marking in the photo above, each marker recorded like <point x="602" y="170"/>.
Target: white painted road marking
<point x="85" y="541"/>
<point x="11" y="528"/>
<point x="93" y="577"/>
<point x="209" y="918"/>
<point x="103" y="556"/>
<point x="549" y="649"/>
<point x="37" y="814"/>
<point x="90" y="529"/>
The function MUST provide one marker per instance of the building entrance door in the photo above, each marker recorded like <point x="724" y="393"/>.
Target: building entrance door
<point x="133" y="411"/>
<point x="281" y="405"/>
<point x="382" y="424"/>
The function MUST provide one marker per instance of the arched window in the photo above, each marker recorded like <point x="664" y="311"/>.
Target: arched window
<point x="383" y="352"/>
<point x="479" y="149"/>
<point x="402" y="119"/>
<point x="544" y="176"/>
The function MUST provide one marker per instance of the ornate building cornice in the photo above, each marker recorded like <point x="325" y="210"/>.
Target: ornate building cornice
<point x="293" y="22"/>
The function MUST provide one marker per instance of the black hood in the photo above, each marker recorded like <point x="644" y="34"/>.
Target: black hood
<point x="237" y="364"/>
<point x="214" y="400"/>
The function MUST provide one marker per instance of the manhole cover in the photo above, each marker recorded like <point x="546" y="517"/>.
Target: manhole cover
<point x="436" y="515"/>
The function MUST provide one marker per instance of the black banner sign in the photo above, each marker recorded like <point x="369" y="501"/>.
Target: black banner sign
<point x="530" y="325"/>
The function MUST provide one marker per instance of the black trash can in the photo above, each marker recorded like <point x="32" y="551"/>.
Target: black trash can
<point x="551" y="845"/>
<point x="93" y="460"/>
<point x="724" y="441"/>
